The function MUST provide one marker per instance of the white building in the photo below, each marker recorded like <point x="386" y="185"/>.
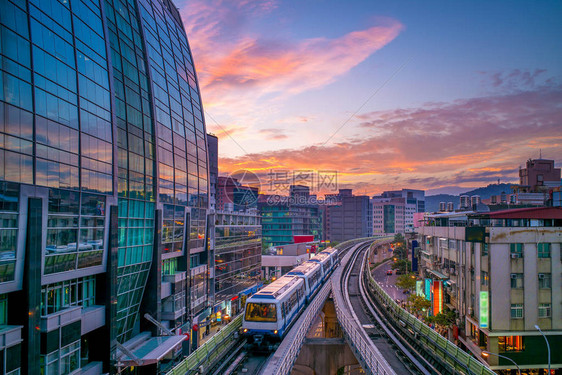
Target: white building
<point x="502" y="273"/>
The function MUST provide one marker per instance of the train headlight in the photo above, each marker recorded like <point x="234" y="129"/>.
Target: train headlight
<point x="245" y="330"/>
<point x="275" y="332"/>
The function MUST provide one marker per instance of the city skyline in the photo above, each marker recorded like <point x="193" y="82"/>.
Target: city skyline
<point x="424" y="96"/>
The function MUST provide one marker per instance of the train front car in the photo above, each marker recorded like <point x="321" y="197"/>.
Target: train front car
<point x="270" y="313"/>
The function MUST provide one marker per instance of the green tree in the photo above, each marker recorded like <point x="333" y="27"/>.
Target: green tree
<point x="418" y="304"/>
<point x="407" y="281"/>
<point x="444" y="319"/>
<point x="398" y="238"/>
<point x="402" y="265"/>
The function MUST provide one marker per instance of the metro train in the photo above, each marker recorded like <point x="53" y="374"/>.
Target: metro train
<point x="271" y="312"/>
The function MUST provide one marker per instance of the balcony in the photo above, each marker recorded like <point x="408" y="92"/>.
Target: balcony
<point x="93" y="317"/>
<point x="173" y="315"/>
<point x="61" y="318"/>
<point x="10" y="336"/>
<point x="175" y="278"/>
<point x="92" y="368"/>
<point x="165" y="290"/>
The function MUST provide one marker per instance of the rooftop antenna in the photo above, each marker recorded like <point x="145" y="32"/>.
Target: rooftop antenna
<point x="540" y="153"/>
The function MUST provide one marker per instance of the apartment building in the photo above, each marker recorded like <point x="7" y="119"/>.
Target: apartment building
<point x="502" y="272"/>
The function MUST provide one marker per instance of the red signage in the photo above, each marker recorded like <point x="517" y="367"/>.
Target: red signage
<point x="195" y="327"/>
<point x="437" y="297"/>
<point x="303" y="238"/>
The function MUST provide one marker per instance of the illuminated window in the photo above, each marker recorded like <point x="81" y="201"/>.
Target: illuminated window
<point x="261" y="312"/>
<point x="484" y="278"/>
<point x="510" y="343"/>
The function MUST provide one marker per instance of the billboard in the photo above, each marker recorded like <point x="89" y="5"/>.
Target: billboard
<point x="301" y="238"/>
<point x="437" y="297"/>
<point x="484" y="309"/>
<point x="428" y="289"/>
<point x="419" y="288"/>
<point x="414" y="256"/>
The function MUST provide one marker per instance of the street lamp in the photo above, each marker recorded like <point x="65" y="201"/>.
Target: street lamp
<point x="486" y="353"/>
<point x="547" y="345"/>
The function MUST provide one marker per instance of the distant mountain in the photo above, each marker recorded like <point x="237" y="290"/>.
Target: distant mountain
<point x="492" y="189"/>
<point x="432" y="201"/>
<point x="450" y="190"/>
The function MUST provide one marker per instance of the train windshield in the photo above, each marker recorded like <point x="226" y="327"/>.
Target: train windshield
<point x="261" y="312"/>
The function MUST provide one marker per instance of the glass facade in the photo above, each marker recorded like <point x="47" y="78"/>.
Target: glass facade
<point x="237" y="254"/>
<point x="281" y="221"/>
<point x="99" y="108"/>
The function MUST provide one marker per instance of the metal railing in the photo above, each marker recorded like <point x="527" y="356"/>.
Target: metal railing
<point x="363" y="347"/>
<point x="210" y="351"/>
<point x="451" y="355"/>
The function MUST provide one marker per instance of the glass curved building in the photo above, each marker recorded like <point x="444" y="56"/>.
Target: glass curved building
<point x="104" y="244"/>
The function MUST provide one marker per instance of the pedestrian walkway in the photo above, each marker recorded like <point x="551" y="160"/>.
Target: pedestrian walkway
<point x="213" y="330"/>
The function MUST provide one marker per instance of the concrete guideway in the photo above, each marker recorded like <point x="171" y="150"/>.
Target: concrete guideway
<point x="282" y="361"/>
<point x="366" y="351"/>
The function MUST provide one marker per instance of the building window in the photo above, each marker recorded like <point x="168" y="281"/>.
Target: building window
<point x="544" y="310"/>
<point x="545" y="280"/>
<point x="510" y="344"/>
<point x="516" y="248"/>
<point x="484" y="278"/>
<point x="516" y="280"/>
<point x="63" y="361"/>
<point x="74" y="292"/>
<point x="543" y="250"/>
<point x="516" y="311"/>
<point x="484" y="249"/>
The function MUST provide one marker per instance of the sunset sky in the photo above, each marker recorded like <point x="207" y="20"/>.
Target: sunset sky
<point x="390" y="95"/>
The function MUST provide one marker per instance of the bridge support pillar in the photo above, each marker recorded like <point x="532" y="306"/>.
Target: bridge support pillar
<point x="321" y="356"/>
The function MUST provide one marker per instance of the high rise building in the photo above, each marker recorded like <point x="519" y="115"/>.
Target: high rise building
<point x="411" y="196"/>
<point x="285" y="217"/>
<point x="236" y="269"/>
<point x="237" y="260"/>
<point x="103" y="186"/>
<point x="393" y="211"/>
<point x="232" y="195"/>
<point x="350" y="218"/>
<point x="539" y="173"/>
<point x="213" y="150"/>
<point x="388" y="215"/>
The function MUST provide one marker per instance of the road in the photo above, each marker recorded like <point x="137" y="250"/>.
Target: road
<point x="387" y="281"/>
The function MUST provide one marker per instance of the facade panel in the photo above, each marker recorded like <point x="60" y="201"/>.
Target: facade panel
<point x="100" y="111"/>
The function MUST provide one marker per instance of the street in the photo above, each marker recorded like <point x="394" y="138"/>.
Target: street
<point x="387" y="281"/>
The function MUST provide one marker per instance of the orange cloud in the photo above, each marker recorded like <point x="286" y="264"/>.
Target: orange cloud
<point x="470" y="141"/>
<point x="237" y="67"/>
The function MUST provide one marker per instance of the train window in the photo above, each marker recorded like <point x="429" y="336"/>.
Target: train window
<point x="261" y="312"/>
